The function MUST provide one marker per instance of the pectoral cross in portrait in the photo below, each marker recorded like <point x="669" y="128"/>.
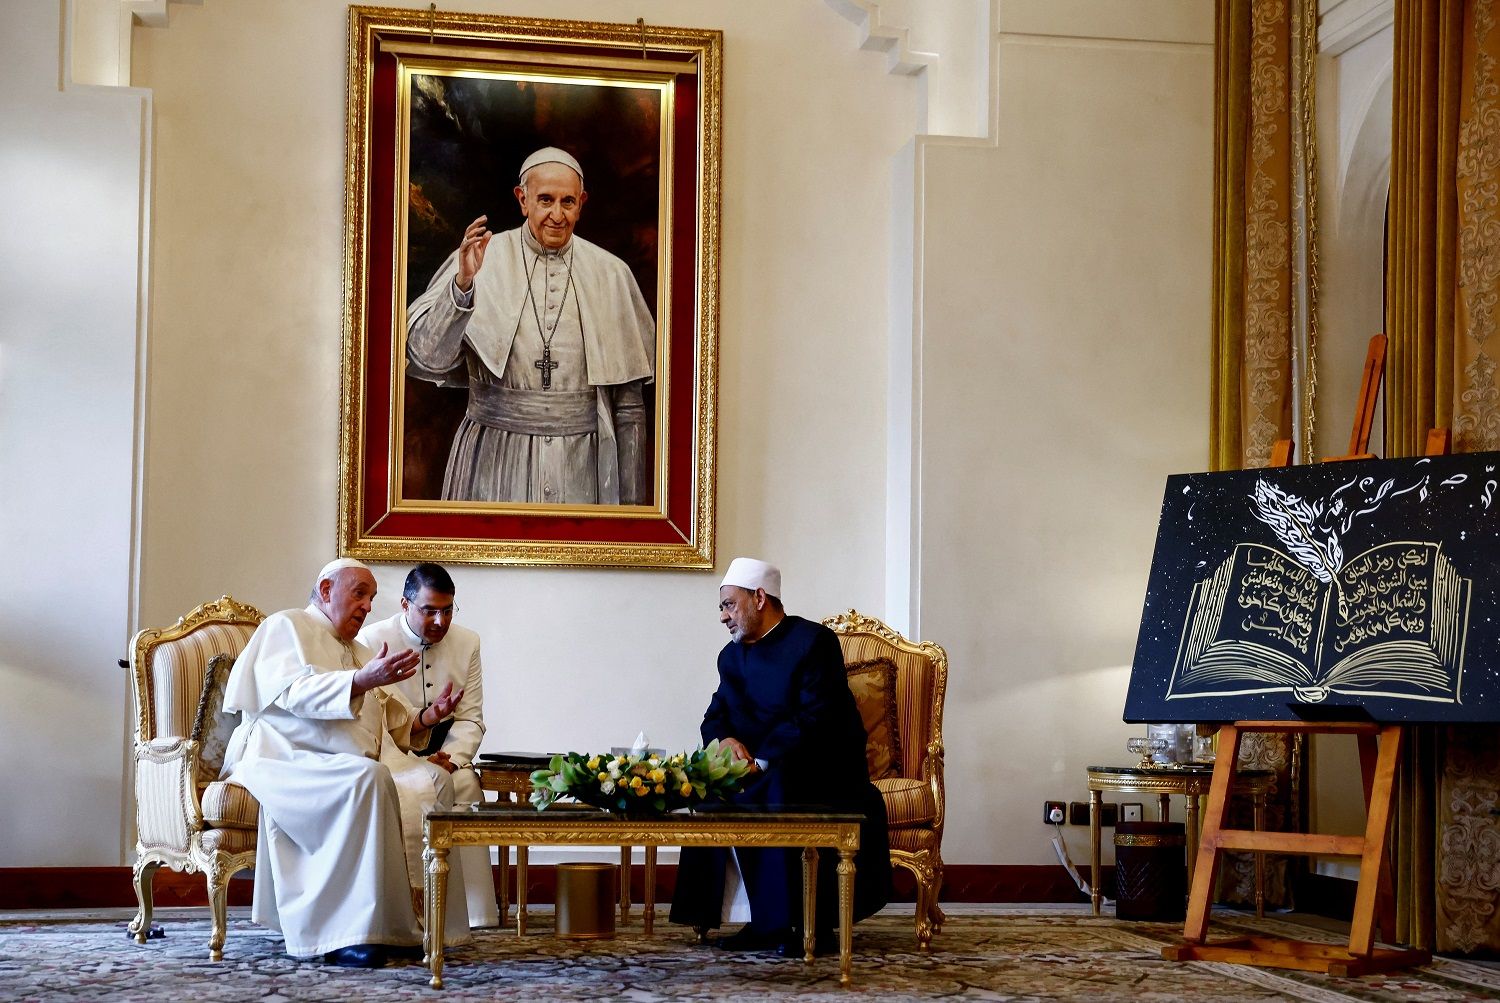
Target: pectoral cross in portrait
<point x="546" y="365"/>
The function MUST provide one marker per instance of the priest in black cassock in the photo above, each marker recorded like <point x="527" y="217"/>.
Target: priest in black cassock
<point x="783" y="702"/>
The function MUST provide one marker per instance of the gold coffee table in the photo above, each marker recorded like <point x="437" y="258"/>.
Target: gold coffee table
<point x="1192" y="782"/>
<point x="499" y="824"/>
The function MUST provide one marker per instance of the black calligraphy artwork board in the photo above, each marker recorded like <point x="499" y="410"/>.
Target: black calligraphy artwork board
<point x="1333" y="591"/>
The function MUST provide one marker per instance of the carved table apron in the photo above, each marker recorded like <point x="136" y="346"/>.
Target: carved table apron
<point x="495" y="824"/>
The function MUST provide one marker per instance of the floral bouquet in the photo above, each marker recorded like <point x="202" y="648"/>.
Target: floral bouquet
<point x="639" y="783"/>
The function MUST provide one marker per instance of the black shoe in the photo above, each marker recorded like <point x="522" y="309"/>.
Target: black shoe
<point x="825" y="942"/>
<point x="357" y="956"/>
<point x="750" y="939"/>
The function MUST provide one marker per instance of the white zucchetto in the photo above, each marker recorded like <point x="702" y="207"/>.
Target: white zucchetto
<point x="333" y="567"/>
<point x="748" y="573"/>
<point x="550" y="155"/>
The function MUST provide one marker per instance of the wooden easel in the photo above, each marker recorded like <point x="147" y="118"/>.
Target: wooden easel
<point x="1374" y="902"/>
<point x="1379" y="759"/>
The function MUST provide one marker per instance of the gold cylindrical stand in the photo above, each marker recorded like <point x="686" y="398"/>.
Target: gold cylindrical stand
<point x="586" y="897"/>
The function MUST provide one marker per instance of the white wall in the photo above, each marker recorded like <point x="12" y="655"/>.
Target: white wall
<point x="250" y="105"/>
<point x="1059" y="304"/>
<point x="1354" y="170"/>
<point x="70" y="230"/>
<point x="1063" y="318"/>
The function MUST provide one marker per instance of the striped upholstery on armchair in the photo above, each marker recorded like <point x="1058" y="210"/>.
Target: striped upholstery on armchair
<point x="177" y="670"/>
<point x="185" y="818"/>
<point x="914" y="800"/>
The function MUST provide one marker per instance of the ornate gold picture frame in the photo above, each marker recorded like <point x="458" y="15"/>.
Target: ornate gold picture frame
<point x="530" y="363"/>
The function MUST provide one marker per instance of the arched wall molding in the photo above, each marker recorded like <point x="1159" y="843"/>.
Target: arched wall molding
<point x="1366" y="170"/>
<point x="1354" y="118"/>
<point x="1343" y="24"/>
<point x="1368" y="130"/>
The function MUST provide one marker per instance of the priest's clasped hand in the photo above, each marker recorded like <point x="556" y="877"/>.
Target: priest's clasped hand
<point x="384" y="669"/>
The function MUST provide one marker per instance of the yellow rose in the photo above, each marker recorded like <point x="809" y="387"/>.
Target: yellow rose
<point x="686" y="790"/>
<point x="640" y="791"/>
<point x="658" y="775"/>
<point x="636" y="783"/>
<point x="603" y="777"/>
<point x="593" y="763"/>
<point x="660" y="788"/>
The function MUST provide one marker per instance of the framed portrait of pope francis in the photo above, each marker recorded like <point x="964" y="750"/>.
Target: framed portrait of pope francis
<point x="531" y="313"/>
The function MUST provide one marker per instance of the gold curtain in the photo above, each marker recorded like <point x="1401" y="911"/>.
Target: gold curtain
<point x="1253" y="223"/>
<point x="1231" y="113"/>
<point x="1442" y="286"/>
<point x="1264" y="303"/>
<point x="1476" y="400"/>
<point x="1420" y="255"/>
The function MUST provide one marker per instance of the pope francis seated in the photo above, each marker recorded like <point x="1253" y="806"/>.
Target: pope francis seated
<point x="322" y="745"/>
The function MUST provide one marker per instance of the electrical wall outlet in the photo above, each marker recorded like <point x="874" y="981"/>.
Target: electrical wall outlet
<point x="1132" y="811"/>
<point x="1109" y="813"/>
<point x="1054" y="812"/>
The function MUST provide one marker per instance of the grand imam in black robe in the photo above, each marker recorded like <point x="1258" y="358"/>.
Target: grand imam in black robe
<point x="786" y="698"/>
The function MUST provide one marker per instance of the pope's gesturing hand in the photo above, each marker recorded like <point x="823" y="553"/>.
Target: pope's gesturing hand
<point x="384" y="669"/>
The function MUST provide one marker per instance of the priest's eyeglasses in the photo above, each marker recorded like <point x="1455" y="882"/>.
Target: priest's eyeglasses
<point x="437" y="612"/>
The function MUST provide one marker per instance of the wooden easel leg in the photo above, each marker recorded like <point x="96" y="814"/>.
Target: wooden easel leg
<point x="1385" y="895"/>
<point x="1207" y="864"/>
<point x="1379" y="769"/>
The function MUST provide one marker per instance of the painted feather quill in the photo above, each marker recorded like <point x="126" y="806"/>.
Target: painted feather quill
<point x="1293" y="520"/>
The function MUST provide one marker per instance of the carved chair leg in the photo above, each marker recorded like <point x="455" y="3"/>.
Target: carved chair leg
<point x="925" y="899"/>
<point x="145" y="873"/>
<point x="218" y="906"/>
<point x="936" y="910"/>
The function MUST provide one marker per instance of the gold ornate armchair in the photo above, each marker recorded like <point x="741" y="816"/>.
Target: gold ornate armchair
<point x="899" y="687"/>
<point x="186" y="818"/>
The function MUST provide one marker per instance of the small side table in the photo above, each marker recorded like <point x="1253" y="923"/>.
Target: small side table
<point x="509" y="775"/>
<point x="1192" y="782"/>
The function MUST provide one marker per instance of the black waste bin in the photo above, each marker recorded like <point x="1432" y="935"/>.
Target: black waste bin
<point x="1150" y="871"/>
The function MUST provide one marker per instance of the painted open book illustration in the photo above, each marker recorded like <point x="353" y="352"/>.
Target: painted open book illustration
<point x="1391" y="622"/>
<point x="1356" y="590"/>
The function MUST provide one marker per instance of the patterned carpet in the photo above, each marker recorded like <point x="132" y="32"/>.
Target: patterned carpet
<point x="1001" y="953"/>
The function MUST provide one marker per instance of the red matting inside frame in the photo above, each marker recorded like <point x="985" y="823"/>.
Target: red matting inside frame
<point x="377" y="521"/>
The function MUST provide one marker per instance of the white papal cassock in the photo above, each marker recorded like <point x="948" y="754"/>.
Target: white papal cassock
<point x="453" y="660"/>
<point x="330" y="868"/>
